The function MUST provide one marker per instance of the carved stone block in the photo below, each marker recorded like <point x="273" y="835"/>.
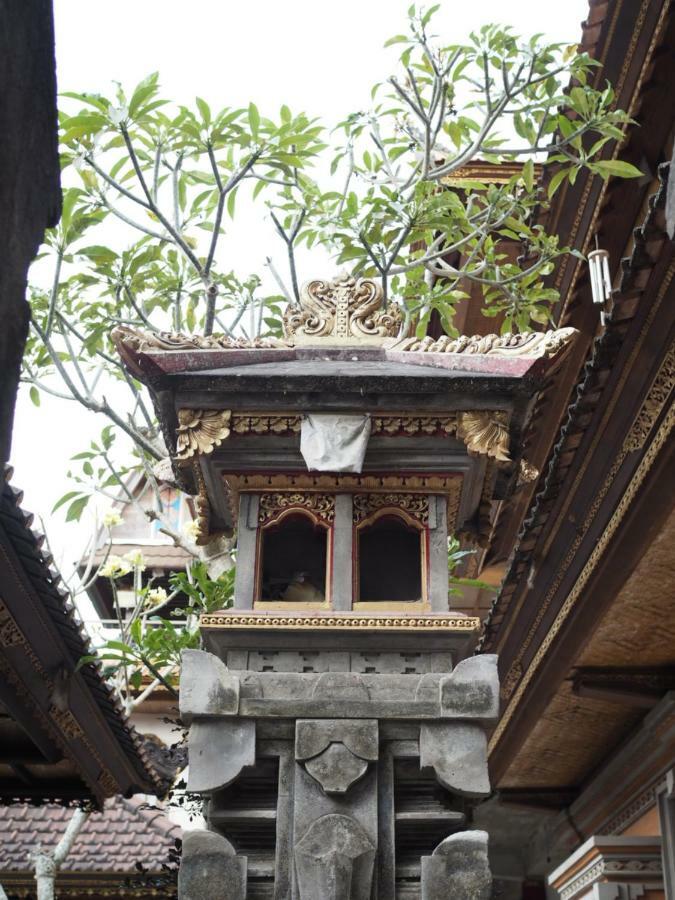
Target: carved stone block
<point x="471" y="691"/>
<point x="334" y="860"/>
<point x="457" y="752"/>
<point x="207" y="688"/>
<point x="336" y="753"/>
<point x="219" y="750"/>
<point x="458" y="869"/>
<point x="210" y="868"/>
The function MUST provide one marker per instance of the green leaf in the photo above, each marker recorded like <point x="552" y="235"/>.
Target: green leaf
<point x="528" y="175"/>
<point x="556" y="181"/>
<point x="204" y="109"/>
<point x="34" y="395"/>
<point x="76" y="508"/>
<point x="616" y="167"/>
<point x="253" y="119"/>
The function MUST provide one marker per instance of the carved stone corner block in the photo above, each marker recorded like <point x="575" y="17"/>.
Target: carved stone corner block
<point x="210" y="868"/>
<point x="458" y="869"/>
<point x="335" y="752"/>
<point x="218" y="751"/>
<point x="471" y="691"/>
<point x="457" y="752"/>
<point x="207" y="688"/>
<point x="334" y="860"/>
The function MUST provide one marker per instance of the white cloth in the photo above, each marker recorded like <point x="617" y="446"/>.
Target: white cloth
<point x="334" y="443"/>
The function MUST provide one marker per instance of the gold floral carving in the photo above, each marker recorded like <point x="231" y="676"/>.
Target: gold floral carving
<point x="344" y="310"/>
<point x="274" y="505"/>
<point x="529" y="343"/>
<point x="273" y="423"/>
<point x="411" y="425"/>
<point x="654" y="404"/>
<point x="414" y="505"/>
<point x="449" y="486"/>
<point x="137" y="341"/>
<point x="202" y="508"/>
<point x="341" y="622"/>
<point x="200" y="431"/>
<point x="485" y="432"/>
<point x="527" y="473"/>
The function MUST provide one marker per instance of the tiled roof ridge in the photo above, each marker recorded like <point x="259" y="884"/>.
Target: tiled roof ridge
<point x="605" y="348"/>
<point x="153" y="816"/>
<point x="40" y="569"/>
<point x="112" y="840"/>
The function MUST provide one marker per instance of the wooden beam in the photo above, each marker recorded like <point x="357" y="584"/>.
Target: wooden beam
<point x="630" y="686"/>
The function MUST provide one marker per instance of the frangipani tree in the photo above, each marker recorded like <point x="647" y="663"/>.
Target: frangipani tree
<point x="147" y="236"/>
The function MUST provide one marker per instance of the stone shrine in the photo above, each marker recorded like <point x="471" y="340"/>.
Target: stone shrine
<point x="337" y="719"/>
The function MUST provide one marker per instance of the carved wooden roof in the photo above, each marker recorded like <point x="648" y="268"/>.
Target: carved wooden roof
<point x="72" y="737"/>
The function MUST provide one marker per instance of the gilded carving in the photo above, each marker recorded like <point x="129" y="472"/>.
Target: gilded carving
<point x="622" y="508"/>
<point x="529" y="343"/>
<point x="345" y="310"/>
<point x="655" y="402"/>
<point x="449" y="486"/>
<point x="342" y="621"/>
<point x="202" y="508"/>
<point x="200" y="431"/>
<point x="137" y="341"/>
<point x="527" y="473"/>
<point x="485" y="432"/>
<point x="66" y="722"/>
<point x="414" y="505"/>
<point x="252" y="423"/>
<point x="272" y="506"/>
<point x="411" y="425"/>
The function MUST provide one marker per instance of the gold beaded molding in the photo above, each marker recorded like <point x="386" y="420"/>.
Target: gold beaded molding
<point x="341" y="622"/>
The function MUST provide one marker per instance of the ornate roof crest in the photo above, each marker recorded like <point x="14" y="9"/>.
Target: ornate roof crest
<point x="345" y="310"/>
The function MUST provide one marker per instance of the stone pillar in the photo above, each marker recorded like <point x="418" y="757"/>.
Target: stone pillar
<point x="338" y="737"/>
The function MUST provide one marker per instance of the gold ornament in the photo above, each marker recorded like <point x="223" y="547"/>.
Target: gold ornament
<point x="200" y="431"/>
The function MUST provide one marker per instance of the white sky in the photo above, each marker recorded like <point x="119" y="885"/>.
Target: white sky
<point x="314" y="56"/>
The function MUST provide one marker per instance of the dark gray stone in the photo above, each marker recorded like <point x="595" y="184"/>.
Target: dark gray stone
<point x="206" y="687"/>
<point x="336" y="769"/>
<point x="458" y="869"/>
<point x="219" y="750"/>
<point x="471" y="691"/>
<point x="334" y="860"/>
<point x="210" y="869"/>
<point x="247" y="534"/>
<point x="457" y="752"/>
<point x="312" y="736"/>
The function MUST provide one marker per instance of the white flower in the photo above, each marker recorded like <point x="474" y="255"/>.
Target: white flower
<point x="135" y="559"/>
<point x="156" y="596"/>
<point x="112" y="518"/>
<point x="191" y="529"/>
<point x="114" y="567"/>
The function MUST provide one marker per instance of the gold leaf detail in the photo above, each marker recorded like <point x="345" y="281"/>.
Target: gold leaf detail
<point x="415" y="505"/>
<point x="529" y="343"/>
<point x="485" y="432"/>
<point x="272" y="506"/>
<point x="200" y="431"/>
<point x="344" y="310"/>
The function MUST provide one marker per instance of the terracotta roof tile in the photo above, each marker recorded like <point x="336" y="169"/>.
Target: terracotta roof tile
<point x="114" y="840"/>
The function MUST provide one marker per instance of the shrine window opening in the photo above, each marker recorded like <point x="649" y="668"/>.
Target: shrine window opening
<point x="294" y="556"/>
<point x="390" y="561"/>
